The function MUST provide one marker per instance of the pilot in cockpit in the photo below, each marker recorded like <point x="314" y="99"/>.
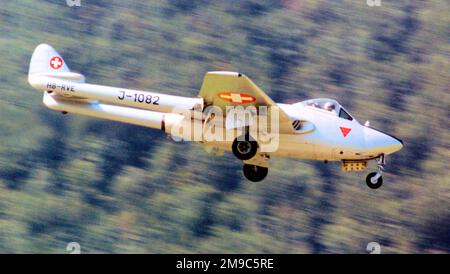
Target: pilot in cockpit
<point x="329" y="106"/>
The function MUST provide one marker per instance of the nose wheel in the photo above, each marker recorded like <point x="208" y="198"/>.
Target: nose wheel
<point x="374" y="179"/>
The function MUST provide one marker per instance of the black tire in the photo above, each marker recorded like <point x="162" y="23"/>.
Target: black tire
<point x="255" y="173"/>
<point x="372" y="185"/>
<point x="244" y="150"/>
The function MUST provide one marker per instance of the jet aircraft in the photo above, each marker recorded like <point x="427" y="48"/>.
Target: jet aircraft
<point x="314" y="129"/>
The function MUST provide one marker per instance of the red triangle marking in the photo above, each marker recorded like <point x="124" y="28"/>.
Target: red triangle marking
<point x="345" y="131"/>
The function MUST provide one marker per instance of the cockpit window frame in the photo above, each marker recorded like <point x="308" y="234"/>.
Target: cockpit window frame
<point x="342" y="110"/>
<point x="319" y="104"/>
<point x="325" y="104"/>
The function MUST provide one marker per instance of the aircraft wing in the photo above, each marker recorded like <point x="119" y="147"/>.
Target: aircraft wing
<point x="225" y="88"/>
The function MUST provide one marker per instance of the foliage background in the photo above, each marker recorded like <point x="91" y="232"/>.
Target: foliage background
<point x="116" y="188"/>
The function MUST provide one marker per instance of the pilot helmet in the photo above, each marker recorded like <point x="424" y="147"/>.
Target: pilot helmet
<point x="329" y="106"/>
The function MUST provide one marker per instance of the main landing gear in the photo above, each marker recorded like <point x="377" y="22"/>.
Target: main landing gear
<point x="255" y="168"/>
<point x="374" y="179"/>
<point x="255" y="173"/>
<point x="244" y="147"/>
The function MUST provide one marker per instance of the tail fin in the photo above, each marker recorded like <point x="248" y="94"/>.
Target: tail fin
<point x="46" y="61"/>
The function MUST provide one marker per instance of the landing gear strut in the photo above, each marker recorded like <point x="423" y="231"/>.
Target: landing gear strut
<point x="374" y="179"/>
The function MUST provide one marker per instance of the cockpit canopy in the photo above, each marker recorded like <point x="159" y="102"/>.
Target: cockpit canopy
<point x="329" y="105"/>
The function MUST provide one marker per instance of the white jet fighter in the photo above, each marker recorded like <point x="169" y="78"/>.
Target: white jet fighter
<point x="316" y="129"/>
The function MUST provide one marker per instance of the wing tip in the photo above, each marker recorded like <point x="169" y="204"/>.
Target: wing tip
<point x="225" y="73"/>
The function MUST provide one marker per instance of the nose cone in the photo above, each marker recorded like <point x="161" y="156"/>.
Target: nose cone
<point x="382" y="142"/>
<point x="392" y="144"/>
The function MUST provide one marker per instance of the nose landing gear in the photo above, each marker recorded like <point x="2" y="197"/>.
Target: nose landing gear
<point x="374" y="179"/>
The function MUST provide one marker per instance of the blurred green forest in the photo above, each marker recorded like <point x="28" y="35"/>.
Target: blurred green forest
<point x="116" y="188"/>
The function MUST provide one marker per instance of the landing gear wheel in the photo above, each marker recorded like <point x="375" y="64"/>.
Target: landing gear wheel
<point x="246" y="149"/>
<point x="255" y="173"/>
<point x="376" y="184"/>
